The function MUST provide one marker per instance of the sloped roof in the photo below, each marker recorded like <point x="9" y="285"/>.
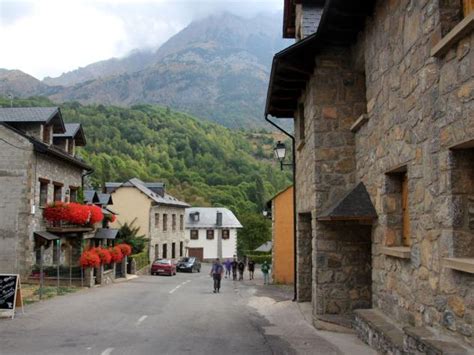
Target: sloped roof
<point x="166" y="199"/>
<point x="90" y="196"/>
<point x="105" y="199"/>
<point x="208" y="218"/>
<point x="33" y="114"/>
<point x="265" y="247"/>
<point x="46" y="149"/>
<point x="75" y="131"/>
<point x="355" y="205"/>
<point x="106" y="233"/>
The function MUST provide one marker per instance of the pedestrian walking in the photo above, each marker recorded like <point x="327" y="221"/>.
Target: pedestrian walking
<point x="234" y="265"/>
<point x="228" y="267"/>
<point x="241" y="268"/>
<point x="265" y="270"/>
<point x="217" y="271"/>
<point x="251" y="266"/>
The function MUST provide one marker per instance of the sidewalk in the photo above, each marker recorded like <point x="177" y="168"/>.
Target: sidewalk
<point x="290" y="321"/>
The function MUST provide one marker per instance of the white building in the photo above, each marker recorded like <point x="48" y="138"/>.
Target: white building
<point x="211" y="232"/>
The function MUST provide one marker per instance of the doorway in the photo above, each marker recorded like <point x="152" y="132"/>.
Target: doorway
<point x="164" y="253"/>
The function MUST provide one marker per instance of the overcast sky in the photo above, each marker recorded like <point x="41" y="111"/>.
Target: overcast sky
<point x="49" y="37"/>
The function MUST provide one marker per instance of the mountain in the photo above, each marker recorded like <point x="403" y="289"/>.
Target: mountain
<point x="201" y="162"/>
<point x="135" y="61"/>
<point x="17" y="83"/>
<point x="217" y="69"/>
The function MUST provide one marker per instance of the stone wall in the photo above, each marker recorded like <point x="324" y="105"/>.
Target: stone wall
<point x="418" y="106"/>
<point x="20" y="169"/>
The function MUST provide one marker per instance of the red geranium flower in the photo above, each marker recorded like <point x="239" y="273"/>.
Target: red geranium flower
<point x="89" y="258"/>
<point x="104" y="255"/>
<point x="96" y="214"/>
<point x="113" y="218"/>
<point x="117" y="254"/>
<point x="78" y="214"/>
<point x="125" y="248"/>
<point x="55" y="211"/>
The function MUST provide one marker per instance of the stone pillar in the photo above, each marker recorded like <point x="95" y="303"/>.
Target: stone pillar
<point x="89" y="279"/>
<point x="114" y="270"/>
<point x="123" y="265"/>
<point x="133" y="267"/>
<point x="100" y="275"/>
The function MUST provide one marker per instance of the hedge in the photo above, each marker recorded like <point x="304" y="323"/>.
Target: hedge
<point x="259" y="259"/>
<point x="141" y="259"/>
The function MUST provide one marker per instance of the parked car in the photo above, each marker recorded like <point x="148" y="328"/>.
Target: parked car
<point x="163" y="266"/>
<point x="190" y="264"/>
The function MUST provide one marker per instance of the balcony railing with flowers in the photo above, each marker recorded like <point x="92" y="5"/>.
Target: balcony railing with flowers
<point x="72" y="215"/>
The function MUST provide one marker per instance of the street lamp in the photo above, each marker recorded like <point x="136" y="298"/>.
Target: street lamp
<point x="280" y="154"/>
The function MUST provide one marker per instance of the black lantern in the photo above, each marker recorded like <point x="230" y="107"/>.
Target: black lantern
<point x="280" y="151"/>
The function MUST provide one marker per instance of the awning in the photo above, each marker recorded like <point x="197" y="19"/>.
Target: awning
<point x="106" y="233"/>
<point x="108" y="211"/>
<point x="46" y="235"/>
<point x="355" y="205"/>
<point x="340" y="23"/>
<point x="266" y="247"/>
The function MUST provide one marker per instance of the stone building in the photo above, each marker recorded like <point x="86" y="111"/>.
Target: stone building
<point x="211" y="232"/>
<point x="159" y="215"/>
<point x="381" y="96"/>
<point x="37" y="166"/>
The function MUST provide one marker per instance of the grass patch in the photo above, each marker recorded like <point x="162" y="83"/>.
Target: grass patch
<point x="31" y="293"/>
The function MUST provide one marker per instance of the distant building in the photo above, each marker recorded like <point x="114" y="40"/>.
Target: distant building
<point x="38" y="166"/>
<point x="211" y="232"/>
<point x="159" y="215"/>
<point x="281" y="206"/>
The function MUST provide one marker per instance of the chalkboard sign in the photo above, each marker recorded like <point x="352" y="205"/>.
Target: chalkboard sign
<point x="9" y="291"/>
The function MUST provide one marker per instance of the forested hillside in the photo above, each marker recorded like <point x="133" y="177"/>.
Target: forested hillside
<point x="202" y="163"/>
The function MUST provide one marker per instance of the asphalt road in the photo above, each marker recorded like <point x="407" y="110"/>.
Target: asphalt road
<point x="147" y="315"/>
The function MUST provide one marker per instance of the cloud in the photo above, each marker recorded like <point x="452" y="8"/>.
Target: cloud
<point x="49" y="37"/>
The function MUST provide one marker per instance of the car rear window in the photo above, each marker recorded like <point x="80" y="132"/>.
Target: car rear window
<point x="163" y="262"/>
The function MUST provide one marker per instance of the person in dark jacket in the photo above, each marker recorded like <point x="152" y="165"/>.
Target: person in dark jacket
<point x="217" y="271"/>
<point x="241" y="267"/>
<point x="228" y="267"/>
<point x="251" y="266"/>
<point x="234" y="265"/>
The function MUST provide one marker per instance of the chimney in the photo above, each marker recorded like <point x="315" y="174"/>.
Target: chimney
<point x="219" y="219"/>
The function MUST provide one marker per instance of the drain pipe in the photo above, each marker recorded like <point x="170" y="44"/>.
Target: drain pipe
<point x="295" y="289"/>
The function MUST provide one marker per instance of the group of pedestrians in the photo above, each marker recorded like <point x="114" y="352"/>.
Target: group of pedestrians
<point x="236" y="266"/>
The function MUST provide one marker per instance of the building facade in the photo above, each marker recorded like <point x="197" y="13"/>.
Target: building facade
<point x="281" y="206"/>
<point x="159" y="216"/>
<point x="381" y="96"/>
<point x="35" y="170"/>
<point x="211" y="233"/>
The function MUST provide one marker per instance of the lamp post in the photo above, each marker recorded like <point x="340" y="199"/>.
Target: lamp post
<point x="280" y="154"/>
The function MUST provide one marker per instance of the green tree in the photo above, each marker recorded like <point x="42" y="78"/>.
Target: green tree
<point x="255" y="232"/>
<point x="128" y="233"/>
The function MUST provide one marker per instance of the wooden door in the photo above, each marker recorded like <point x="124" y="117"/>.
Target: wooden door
<point x="405" y="212"/>
<point x="198" y="253"/>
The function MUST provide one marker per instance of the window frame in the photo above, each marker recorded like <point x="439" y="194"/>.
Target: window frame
<point x="57" y="186"/>
<point x="194" y="234"/>
<point x="226" y="234"/>
<point x="165" y="222"/>
<point x="210" y="234"/>
<point x="43" y="183"/>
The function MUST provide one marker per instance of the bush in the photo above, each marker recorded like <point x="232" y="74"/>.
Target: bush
<point x="141" y="259"/>
<point x="259" y="259"/>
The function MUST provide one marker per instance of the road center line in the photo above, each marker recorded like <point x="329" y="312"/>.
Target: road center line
<point x="181" y="284"/>
<point x="141" y="319"/>
<point x="107" y="351"/>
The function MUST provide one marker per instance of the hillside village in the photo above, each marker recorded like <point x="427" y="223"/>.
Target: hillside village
<point x="349" y="230"/>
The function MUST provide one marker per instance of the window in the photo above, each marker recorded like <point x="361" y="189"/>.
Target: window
<point x="58" y="191"/>
<point x="56" y="252"/>
<point x="165" y="222"/>
<point x="47" y="134"/>
<point x="181" y="222"/>
<point x="157" y="220"/>
<point x="173" y="222"/>
<point x="181" y="248"/>
<point x="210" y="234"/>
<point x="225" y="234"/>
<point x="164" y="253"/>
<point x="173" y="250"/>
<point x="43" y="194"/>
<point x="157" y="251"/>
<point x="73" y="193"/>
<point x="397" y="208"/>
<point x="194" y="234"/>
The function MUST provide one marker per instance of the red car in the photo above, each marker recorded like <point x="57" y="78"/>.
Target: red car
<point x="163" y="266"/>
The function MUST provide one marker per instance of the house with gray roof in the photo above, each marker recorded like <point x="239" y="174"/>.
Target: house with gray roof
<point x="36" y="170"/>
<point x="211" y="232"/>
<point x="159" y="215"/>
